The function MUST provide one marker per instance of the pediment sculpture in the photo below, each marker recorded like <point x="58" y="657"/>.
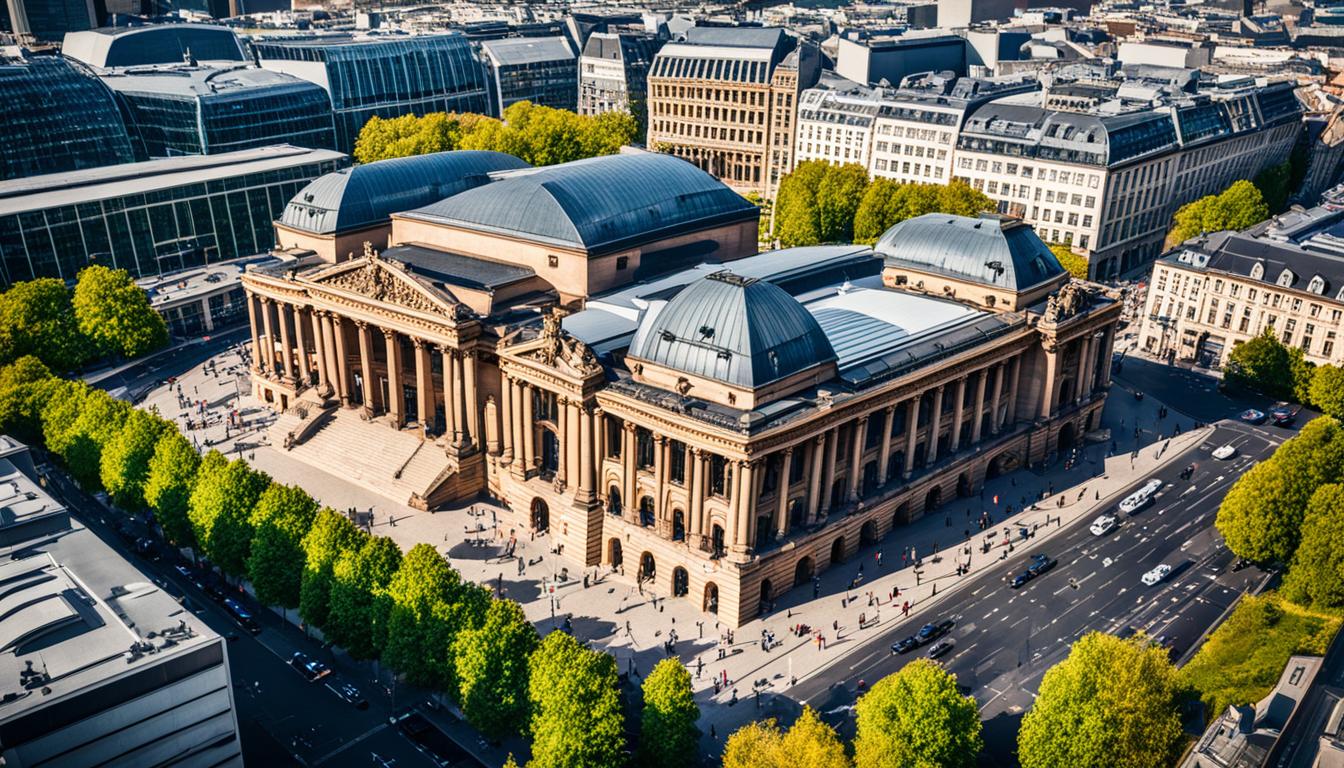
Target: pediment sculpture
<point x="377" y="279"/>
<point x="1068" y="301"/>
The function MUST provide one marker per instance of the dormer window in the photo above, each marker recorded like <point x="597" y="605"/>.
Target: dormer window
<point x="1258" y="271"/>
<point x="1317" y="285"/>
<point x="1286" y="278"/>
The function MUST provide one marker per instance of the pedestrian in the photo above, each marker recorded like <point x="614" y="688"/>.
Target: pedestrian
<point x="878" y="557"/>
<point x="713" y="735"/>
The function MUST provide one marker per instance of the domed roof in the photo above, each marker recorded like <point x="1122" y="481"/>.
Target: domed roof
<point x="732" y="329"/>
<point x="992" y="251"/>
<point x="368" y="194"/>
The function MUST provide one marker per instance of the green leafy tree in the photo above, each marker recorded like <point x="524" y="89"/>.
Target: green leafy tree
<point x="1263" y="364"/>
<point x="281" y="517"/>
<point x="667" y="733"/>
<point x="1112" y="702"/>
<point x="961" y="199"/>
<point x="610" y="131"/>
<point x="797" y="217"/>
<point x="115" y="314"/>
<point x="100" y="417"/>
<point x="360" y="604"/>
<point x="125" y="459"/>
<point x="169" y="481"/>
<point x="59" y="412"/>
<point x="917" y="717"/>
<point x="838" y="196"/>
<point x="1317" y="575"/>
<point x="1237" y="207"/>
<point x="1261" y="516"/>
<point x="492" y="669"/>
<point x="221" y="510"/>
<point x="1075" y="264"/>
<point x="24" y="384"/>
<point x="37" y="318"/>
<point x="576" y="710"/>
<point x="387" y="138"/>
<point x="332" y="535"/>
<point x="429" y="606"/>
<point x="1327" y="391"/>
<point x="809" y="742"/>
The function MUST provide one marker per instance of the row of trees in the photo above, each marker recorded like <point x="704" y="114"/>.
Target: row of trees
<point x="824" y="203"/>
<point x="412" y="612"/>
<point x="1237" y="207"/>
<point x="537" y="134"/>
<point x="915" y="717"/>
<point x="105" y="314"/>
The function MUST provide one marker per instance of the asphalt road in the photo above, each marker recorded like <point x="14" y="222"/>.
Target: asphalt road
<point x="1006" y="639"/>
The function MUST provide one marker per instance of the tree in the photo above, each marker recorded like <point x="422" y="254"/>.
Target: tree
<point x="1075" y="264"/>
<point x="961" y="199"/>
<point x="917" y="717"/>
<point x="429" y="606"/>
<point x="809" y="742"/>
<point x="386" y="138"/>
<point x="1237" y="207"/>
<point x="1302" y="371"/>
<point x="1112" y="702"/>
<point x="279" y="521"/>
<point x="492" y="669"/>
<point x="100" y="417"/>
<point x="667" y="734"/>
<point x="1317" y="575"/>
<point x="170" y="478"/>
<point x="37" y="318"/>
<point x="22" y="386"/>
<point x="359" y="601"/>
<point x="58" y="414"/>
<point x="576" y="710"/>
<point x="221" y="510"/>
<point x="797" y="220"/>
<point x="1327" y="391"/>
<point x="124" y="466"/>
<point x="115" y="314"/>
<point x="1262" y="364"/>
<point x="838" y="196"/>
<point x="331" y="535"/>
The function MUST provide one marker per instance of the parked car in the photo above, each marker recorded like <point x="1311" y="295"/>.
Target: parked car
<point x="1103" y="525"/>
<point x="1156" y="575"/>
<point x="1141" y="498"/>
<point x="348" y="693"/>
<point x="1252" y="416"/>
<point x="1225" y="452"/>
<point x="241" y="615"/>
<point x="1284" y="414"/>
<point x="312" y="669"/>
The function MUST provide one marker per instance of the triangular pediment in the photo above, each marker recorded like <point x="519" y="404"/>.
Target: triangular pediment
<point x="385" y="281"/>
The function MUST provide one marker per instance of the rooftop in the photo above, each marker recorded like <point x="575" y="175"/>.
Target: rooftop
<point x="1000" y="253"/>
<point x="36" y="193"/>
<point x="153" y="44"/>
<point x="451" y="269"/>
<point x="518" y="51"/>
<point x="188" y="81"/>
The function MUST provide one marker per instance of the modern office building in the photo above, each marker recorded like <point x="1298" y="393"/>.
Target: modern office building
<point x="56" y="118"/>
<point x="114" y="47"/>
<point x="152" y="217"/>
<point x="1286" y="275"/>
<point x="614" y="74"/>
<point x="384" y="76"/>
<point x="104" y="668"/>
<point x="726" y="98"/>
<point x="47" y="21"/>
<point x="719" y="425"/>
<point x="892" y="58"/>
<point x="542" y="70"/>
<point x="190" y="109"/>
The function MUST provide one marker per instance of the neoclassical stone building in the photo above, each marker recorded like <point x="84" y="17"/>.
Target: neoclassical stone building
<point x="718" y="425"/>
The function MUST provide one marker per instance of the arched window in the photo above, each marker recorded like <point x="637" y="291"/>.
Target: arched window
<point x="1317" y="285"/>
<point x="1286" y="278"/>
<point x="1258" y="271"/>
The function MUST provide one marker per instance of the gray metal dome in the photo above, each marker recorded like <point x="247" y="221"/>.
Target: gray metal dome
<point x="733" y="329"/>
<point x="368" y="194"/>
<point x="993" y="251"/>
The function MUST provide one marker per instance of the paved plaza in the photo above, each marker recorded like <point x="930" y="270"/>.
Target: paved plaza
<point x="747" y="673"/>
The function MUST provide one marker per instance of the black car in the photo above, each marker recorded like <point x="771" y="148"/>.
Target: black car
<point x="1283" y="417"/>
<point x="348" y="693"/>
<point x="1021" y="578"/>
<point x="434" y="743"/>
<point x="905" y="646"/>
<point x="145" y="547"/>
<point x="940" y="649"/>
<point x="241" y="615"/>
<point x="311" y="669"/>
<point x="1041" y="563"/>
<point x="930" y="632"/>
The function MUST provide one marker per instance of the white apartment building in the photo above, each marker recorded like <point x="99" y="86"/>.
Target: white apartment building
<point x="835" y="123"/>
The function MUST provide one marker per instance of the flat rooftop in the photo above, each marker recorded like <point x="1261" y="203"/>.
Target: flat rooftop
<point x="197" y="283"/>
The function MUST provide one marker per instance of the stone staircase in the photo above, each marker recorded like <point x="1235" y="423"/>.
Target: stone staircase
<point x="395" y="464"/>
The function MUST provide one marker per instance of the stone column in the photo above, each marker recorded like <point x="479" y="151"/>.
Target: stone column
<point x="744" y="505"/>
<point x="562" y="435"/>
<point x="342" y="360"/>
<point x="978" y="414"/>
<point x="329" y="355"/>
<point x="252" y="323"/>
<point x="1014" y="380"/>
<point x="814" y="483"/>
<point x="300" y="341"/>
<point x="586" y="424"/>
<point x="828" y="471"/>
<point x="1085" y="368"/>
<point x="1051" y="381"/>
<point x="529" y="429"/>
<point x="424" y="386"/>
<point x="782" y="490"/>
<point x="698" y="472"/>
<point x="506" y="418"/>
<point x="628" y="470"/>
<point x="573" y="446"/>
<point x="600" y="431"/>
<point x="520" y="393"/>
<point x="958" y="415"/>
<point x="1109" y="349"/>
<point x="856" y="457"/>
<point x="996" y="420"/>
<point x="884" y="456"/>
<point x="659" y="475"/>
<point x="269" y="345"/>
<point x="935" y="424"/>
<point x="396" y="400"/>
<point x="471" y="426"/>
<point x="452" y="429"/>
<point x="371" y="393"/>
<point x="286" y="348"/>
<point x="320" y="353"/>
<point x="911" y="434"/>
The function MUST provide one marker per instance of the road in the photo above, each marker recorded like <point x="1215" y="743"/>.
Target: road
<point x="1006" y="639"/>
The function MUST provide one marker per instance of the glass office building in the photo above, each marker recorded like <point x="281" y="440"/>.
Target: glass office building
<point x="47" y="21"/>
<point x="152" y="217"/>
<point x="542" y="70"/>
<point x="112" y="47"/>
<point x="194" y="110"/>
<point x="56" y="118"/>
<point x="383" y="76"/>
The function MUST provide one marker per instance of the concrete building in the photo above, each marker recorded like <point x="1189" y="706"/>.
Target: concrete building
<point x="964" y="13"/>
<point x="1245" y="735"/>
<point x="614" y="74"/>
<point x="542" y="70"/>
<point x="196" y="302"/>
<point x="719" y="425"/>
<point x="1287" y="274"/>
<point x="104" y="668"/>
<point x="892" y="58"/>
<point x="835" y="122"/>
<point x="726" y="99"/>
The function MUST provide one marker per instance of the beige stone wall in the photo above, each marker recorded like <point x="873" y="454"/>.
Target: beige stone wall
<point x="332" y="248"/>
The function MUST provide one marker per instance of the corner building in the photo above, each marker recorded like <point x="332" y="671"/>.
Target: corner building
<point x="620" y="372"/>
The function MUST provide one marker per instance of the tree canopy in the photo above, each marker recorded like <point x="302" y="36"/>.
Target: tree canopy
<point x="576" y="710"/>
<point x="808" y="742"/>
<point x="124" y="466"/>
<point x="1265" y="365"/>
<point x="1075" y="264"/>
<point x="170" y="479"/>
<point x="115" y="314"/>
<point x="357" y="620"/>
<point x="1237" y="207"/>
<point x="429" y="606"/>
<point x="916" y="718"/>
<point x="1112" y="702"/>
<point x="492" y="669"/>
<point x="1317" y="573"/>
<point x="24" y="385"/>
<point x="37" y="318"/>
<point x="1327" y="391"/>
<point x="667" y="732"/>
<point x="279" y="521"/>
<point x="331" y="535"/>
<point x="221" y="510"/>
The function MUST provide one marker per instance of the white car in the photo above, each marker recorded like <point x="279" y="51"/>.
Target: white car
<point x="1225" y="452"/>
<point x="1103" y="525"/>
<point x="1157" y="575"/>
<point x="1140" y="498"/>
